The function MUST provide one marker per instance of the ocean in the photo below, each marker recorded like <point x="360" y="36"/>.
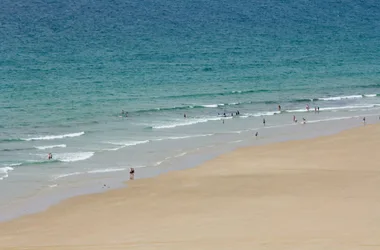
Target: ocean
<point x="68" y="69"/>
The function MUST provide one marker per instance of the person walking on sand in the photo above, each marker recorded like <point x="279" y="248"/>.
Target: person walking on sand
<point x="364" y="120"/>
<point x="304" y="120"/>
<point x="131" y="173"/>
<point x="294" y="118"/>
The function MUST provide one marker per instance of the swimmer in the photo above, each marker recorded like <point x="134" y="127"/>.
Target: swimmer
<point x="131" y="173"/>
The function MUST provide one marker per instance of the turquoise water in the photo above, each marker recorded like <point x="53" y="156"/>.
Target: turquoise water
<point x="68" y="69"/>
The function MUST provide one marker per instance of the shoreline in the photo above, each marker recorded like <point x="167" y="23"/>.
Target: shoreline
<point x="43" y="202"/>
<point x="202" y="180"/>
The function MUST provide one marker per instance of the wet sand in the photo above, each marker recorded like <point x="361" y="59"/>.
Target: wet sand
<point x="322" y="193"/>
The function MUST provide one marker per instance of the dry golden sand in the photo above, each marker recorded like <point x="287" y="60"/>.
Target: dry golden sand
<point x="318" y="194"/>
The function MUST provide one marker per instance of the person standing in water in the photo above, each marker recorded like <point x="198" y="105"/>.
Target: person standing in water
<point x="294" y="118"/>
<point x="257" y="134"/>
<point x="307" y="107"/>
<point x="264" y="121"/>
<point x="50" y="156"/>
<point x="279" y="108"/>
<point x="184" y="116"/>
<point x="364" y="121"/>
<point x="131" y="173"/>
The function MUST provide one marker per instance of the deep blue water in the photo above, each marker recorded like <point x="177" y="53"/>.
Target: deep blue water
<point x="68" y="67"/>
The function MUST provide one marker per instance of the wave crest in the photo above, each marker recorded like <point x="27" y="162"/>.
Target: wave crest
<point x="53" y="137"/>
<point x="50" y="146"/>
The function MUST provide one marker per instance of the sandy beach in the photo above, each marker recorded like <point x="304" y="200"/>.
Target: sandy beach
<point x="321" y="193"/>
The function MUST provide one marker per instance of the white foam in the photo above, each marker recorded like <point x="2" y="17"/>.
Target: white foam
<point x="4" y="172"/>
<point x="211" y="105"/>
<point x="13" y="164"/>
<point x="51" y="146"/>
<point x="113" y="149"/>
<point x="337" y="98"/>
<point x="265" y="113"/>
<point x="336" y="108"/>
<point x="349" y="107"/>
<point x="189" y="122"/>
<point x="231" y="142"/>
<point x="158" y="163"/>
<point x="128" y="143"/>
<point x="66" y="175"/>
<point x="53" y="137"/>
<point x="107" y="170"/>
<point x="72" y="157"/>
<point x="370" y="95"/>
<point x="180" y="155"/>
<point x="333" y="119"/>
<point x="124" y="144"/>
<point x="182" y="137"/>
